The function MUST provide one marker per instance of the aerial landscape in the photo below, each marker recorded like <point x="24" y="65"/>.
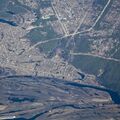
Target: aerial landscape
<point x="59" y="59"/>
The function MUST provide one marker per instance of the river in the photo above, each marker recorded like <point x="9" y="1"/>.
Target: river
<point x="30" y="97"/>
<point x="8" y="22"/>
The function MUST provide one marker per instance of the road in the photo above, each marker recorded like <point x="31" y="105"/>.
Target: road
<point x="99" y="17"/>
<point x="59" y="19"/>
<point x="89" y="54"/>
<point x="72" y="34"/>
<point x="80" y="24"/>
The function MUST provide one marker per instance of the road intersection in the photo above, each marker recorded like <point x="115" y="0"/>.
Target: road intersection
<point x="76" y="33"/>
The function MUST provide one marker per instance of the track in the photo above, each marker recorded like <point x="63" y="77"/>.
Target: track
<point x="73" y="34"/>
<point x="89" y="54"/>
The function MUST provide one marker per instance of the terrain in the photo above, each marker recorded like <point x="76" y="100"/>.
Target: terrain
<point x="60" y="59"/>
